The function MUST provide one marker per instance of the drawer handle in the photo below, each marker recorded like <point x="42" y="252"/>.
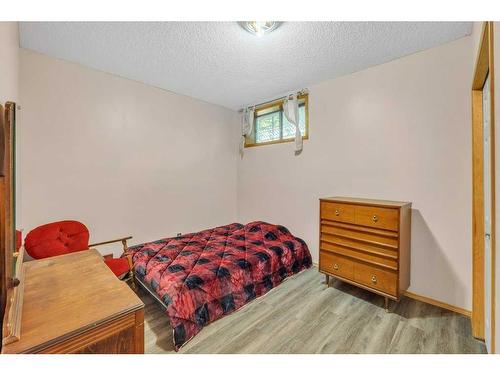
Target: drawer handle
<point x="335" y="266"/>
<point x="337" y="212"/>
<point x="375" y="218"/>
<point x="374" y="279"/>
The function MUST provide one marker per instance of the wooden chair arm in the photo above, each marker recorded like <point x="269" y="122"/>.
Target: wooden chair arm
<point x="130" y="262"/>
<point x="123" y="240"/>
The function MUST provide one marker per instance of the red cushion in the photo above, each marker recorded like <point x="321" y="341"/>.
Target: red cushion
<point x="57" y="238"/>
<point x="119" y="266"/>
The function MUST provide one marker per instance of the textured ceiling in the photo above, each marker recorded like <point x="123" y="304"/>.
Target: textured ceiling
<point x="220" y="63"/>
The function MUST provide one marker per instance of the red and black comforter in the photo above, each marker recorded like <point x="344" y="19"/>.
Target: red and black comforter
<point x="203" y="276"/>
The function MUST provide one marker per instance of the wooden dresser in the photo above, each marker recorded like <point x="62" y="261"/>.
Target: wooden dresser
<point x="366" y="242"/>
<point x="74" y="304"/>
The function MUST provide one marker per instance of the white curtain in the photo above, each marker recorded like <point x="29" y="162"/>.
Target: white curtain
<point x="246" y="127"/>
<point x="291" y="112"/>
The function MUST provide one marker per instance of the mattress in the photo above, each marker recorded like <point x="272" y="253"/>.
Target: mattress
<point x="203" y="276"/>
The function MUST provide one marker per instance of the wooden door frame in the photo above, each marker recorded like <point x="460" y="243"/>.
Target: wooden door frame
<point x="3" y="251"/>
<point x="484" y="67"/>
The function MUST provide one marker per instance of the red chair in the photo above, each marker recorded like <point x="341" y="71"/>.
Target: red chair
<point x="68" y="236"/>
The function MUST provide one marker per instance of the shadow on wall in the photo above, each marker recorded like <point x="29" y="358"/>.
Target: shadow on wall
<point x="432" y="273"/>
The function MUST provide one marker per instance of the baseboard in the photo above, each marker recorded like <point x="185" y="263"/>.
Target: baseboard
<point x="431" y="301"/>
<point x="437" y="303"/>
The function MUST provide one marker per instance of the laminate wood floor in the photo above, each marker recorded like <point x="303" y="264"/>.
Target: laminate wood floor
<point x="303" y="315"/>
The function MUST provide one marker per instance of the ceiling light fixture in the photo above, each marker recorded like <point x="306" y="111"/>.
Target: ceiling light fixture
<point x="259" y="28"/>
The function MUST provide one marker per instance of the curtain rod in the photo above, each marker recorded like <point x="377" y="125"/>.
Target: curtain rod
<point x="300" y="92"/>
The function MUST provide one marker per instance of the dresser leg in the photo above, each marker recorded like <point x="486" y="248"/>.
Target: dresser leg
<point x="386" y="304"/>
<point x="327" y="282"/>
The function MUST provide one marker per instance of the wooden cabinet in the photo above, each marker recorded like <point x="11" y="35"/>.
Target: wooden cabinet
<point x="366" y="242"/>
<point x="74" y="304"/>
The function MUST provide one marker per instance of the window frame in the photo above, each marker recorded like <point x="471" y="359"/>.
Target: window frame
<point x="250" y="141"/>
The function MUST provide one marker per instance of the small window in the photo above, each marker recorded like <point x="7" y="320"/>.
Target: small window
<point x="271" y="126"/>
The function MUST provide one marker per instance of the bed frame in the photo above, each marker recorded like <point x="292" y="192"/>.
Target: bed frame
<point x="151" y="292"/>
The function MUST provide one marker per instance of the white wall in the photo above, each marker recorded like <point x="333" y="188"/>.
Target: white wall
<point x="9" y="61"/>
<point x="398" y="131"/>
<point x="121" y="156"/>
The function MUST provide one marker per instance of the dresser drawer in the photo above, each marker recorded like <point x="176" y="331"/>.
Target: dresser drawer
<point x="377" y="237"/>
<point x="376" y="278"/>
<point x="336" y="265"/>
<point x="357" y="252"/>
<point x="377" y="217"/>
<point x="337" y="212"/>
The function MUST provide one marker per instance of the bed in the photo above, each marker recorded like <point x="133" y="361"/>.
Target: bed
<point x="201" y="277"/>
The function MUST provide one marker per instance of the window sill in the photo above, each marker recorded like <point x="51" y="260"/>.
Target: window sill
<point x="274" y="142"/>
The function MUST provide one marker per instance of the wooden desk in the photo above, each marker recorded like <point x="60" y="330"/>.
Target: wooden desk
<point x="74" y="304"/>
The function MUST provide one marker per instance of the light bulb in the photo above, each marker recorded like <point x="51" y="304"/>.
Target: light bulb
<point x="259" y="28"/>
